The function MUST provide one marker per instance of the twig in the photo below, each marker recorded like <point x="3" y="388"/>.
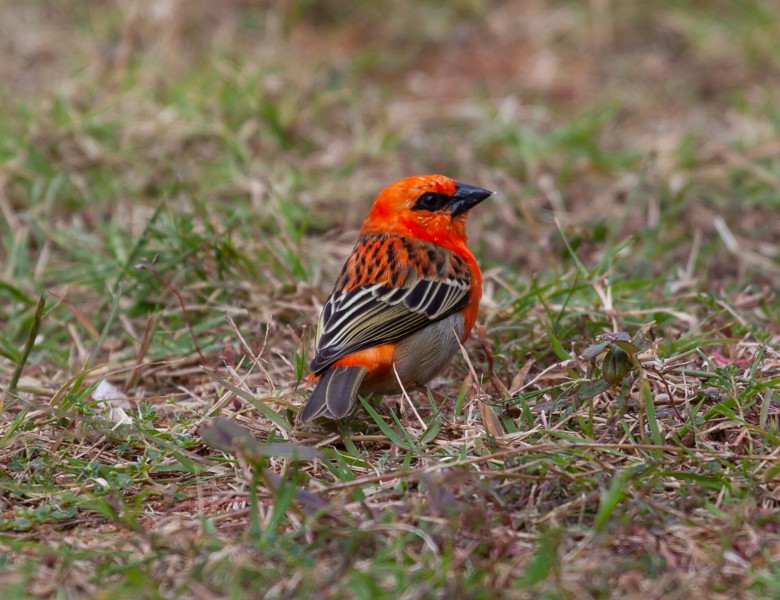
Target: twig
<point x="406" y="397"/>
<point x="184" y="313"/>
<point x="145" y="341"/>
<point x="28" y="345"/>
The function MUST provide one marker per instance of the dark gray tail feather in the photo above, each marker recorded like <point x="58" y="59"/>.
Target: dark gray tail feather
<point x="335" y="394"/>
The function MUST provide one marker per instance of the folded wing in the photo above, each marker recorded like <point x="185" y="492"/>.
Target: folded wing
<point x="433" y="287"/>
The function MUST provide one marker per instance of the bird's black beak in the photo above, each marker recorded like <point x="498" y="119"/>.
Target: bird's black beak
<point x="466" y="197"/>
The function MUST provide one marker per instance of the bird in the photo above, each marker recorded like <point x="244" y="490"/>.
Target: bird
<point x="406" y="298"/>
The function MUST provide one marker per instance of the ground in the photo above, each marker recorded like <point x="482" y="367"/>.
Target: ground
<point x="180" y="183"/>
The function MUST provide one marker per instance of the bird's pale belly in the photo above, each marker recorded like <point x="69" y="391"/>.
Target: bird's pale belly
<point x="421" y="356"/>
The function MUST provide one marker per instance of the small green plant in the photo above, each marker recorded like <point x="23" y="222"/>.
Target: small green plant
<point x="614" y="358"/>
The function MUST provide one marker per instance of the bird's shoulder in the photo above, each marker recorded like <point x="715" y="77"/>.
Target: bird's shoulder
<point x="399" y="261"/>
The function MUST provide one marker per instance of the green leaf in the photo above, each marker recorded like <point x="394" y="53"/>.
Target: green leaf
<point x="610" y="498"/>
<point x="594" y="350"/>
<point x="592" y="389"/>
<point x="433" y="429"/>
<point x="383" y="426"/>
<point x="544" y="559"/>
<point x="763" y="416"/>
<point x="557" y="347"/>
<point x="647" y="396"/>
<point x="285" y="493"/>
<point x="617" y="364"/>
<point x="264" y="409"/>
<point x="228" y="436"/>
<point x="710" y="482"/>
<point x="28" y="345"/>
<point x="616" y="336"/>
<point x="772" y="473"/>
<point x="628" y="347"/>
<point x="15" y="293"/>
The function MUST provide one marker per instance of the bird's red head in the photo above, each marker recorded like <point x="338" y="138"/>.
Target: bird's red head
<point x="430" y="207"/>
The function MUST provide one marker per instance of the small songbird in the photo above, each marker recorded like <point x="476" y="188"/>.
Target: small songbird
<point x="407" y="295"/>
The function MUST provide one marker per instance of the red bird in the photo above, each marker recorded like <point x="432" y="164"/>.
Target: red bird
<point x="408" y="293"/>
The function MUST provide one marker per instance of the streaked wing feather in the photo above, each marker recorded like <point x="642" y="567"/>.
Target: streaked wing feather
<point x="377" y="314"/>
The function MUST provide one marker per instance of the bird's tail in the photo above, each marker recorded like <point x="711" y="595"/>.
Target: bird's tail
<point x="335" y="394"/>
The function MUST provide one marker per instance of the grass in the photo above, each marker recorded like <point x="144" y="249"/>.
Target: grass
<point x="179" y="188"/>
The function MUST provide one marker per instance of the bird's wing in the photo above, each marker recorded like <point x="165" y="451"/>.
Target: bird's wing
<point x="420" y="283"/>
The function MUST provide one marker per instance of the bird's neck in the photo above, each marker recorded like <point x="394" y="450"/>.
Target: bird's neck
<point x="438" y="229"/>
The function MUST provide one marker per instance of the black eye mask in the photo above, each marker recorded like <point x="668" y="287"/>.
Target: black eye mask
<point x="431" y="201"/>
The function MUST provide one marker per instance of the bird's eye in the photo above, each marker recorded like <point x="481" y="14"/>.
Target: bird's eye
<point x="431" y="201"/>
